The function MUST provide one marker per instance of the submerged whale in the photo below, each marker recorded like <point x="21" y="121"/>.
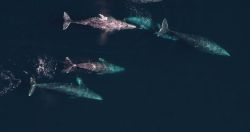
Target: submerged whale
<point x="200" y="43"/>
<point x="77" y="91"/>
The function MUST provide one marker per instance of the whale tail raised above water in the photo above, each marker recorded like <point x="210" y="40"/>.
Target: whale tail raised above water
<point x="67" y="20"/>
<point x="69" y="66"/>
<point x="32" y="86"/>
<point x="163" y="28"/>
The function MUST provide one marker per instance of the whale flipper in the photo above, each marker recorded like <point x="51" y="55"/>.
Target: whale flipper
<point x="80" y="82"/>
<point x="103" y="17"/>
<point x="101" y="59"/>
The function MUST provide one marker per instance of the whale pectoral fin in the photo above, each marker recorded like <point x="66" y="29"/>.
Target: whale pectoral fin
<point x="80" y="82"/>
<point x="101" y="72"/>
<point x="101" y="59"/>
<point x="103" y="17"/>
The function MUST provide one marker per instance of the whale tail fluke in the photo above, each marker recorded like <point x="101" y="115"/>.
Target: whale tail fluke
<point x="67" y="20"/>
<point x="69" y="65"/>
<point x="32" y="86"/>
<point x="163" y="28"/>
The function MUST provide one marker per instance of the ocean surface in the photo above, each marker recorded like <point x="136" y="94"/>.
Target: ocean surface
<point x="167" y="86"/>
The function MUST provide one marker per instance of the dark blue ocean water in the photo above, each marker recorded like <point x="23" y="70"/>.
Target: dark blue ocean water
<point x="167" y="87"/>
